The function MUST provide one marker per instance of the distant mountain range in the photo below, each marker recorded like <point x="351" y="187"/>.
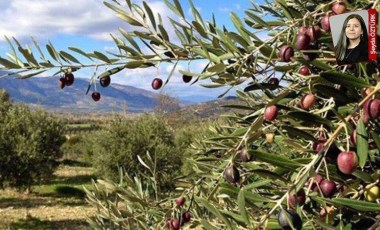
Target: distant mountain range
<point x="46" y="92"/>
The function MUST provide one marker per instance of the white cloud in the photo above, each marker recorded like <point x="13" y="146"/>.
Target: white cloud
<point x="45" y="18"/>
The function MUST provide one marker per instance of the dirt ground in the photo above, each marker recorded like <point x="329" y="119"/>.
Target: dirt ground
<point x="58" y="205"/>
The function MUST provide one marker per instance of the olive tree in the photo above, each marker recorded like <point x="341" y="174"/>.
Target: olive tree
<point x="303" y="151"/>
<point x="29" y="145"/>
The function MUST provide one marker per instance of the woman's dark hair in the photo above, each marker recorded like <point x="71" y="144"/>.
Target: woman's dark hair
<point x="343" y="40"/>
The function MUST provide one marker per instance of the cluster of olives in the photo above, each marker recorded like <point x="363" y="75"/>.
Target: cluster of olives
<point x="66" y="80"/>
<point x="308" y="35"/>
<point x="185" y="217"/>
<point x="104" y="81"/>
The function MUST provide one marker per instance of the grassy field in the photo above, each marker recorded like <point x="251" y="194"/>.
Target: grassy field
<point x="59" y="204"/>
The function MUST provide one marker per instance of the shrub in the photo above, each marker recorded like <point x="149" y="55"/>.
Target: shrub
<point x="124" y="140"/>
<point x="29" y="146"/>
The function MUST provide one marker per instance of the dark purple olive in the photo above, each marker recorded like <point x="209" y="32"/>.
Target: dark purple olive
<point x="314" y="33"/>
<point x="186" y="78"/>
<point x="286" y="53"/>
<point x="372" y="108"/>
<point x="298" y="198"/>
<point x="307" y="101"/>
<point x="289" y="219"/>
<point x="95" y="96"/>
<point x="270" y="113"/>
<point x="339" y="7"/>
<point x="328" y="188"/>
<point x="105" y="81"/>
<point x="169" y="54"/>
<point x="274" y="81"/>
<point x="304" y="70"/>
<point x="353" y="137"/>
<point x="325" y="23"/>
<point x="175" y="224"/>
<point x="319" y="144"/>
<point x="69" y="79"/>
<point x="62" y="82"/>
<point x="157" y="83"/>
<point x="186" y="217"/>
<point x="245" y="156"/>
<point x="303" y="30"/>
<point x="231" y="174"/>
<point x="302" y="42"/>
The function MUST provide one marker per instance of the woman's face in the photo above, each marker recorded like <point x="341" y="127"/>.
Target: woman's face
<point x="353" y="29"/>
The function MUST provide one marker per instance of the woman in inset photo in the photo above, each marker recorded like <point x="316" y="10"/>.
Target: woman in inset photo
<point x="352" y="45"/>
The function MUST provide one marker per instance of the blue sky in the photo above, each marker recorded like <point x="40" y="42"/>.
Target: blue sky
<point x="87" y="24"/>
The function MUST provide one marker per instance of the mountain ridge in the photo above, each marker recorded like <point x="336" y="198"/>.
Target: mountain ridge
<point x="45" y="92"/>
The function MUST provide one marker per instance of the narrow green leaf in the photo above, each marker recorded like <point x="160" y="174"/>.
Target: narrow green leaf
<point x="150" y="15"/>
<point x="256" y="18"/>
<point x="285" y="68"/>
<point x="46" y="64"/>
<point x="130" y="39"/>
<point x="218" y="68"/>
<point x="69" y="57"/>
<point x="309" y="118"/>
<point x="102" y="57"/>
<point x="30" y="74"/>
<point x="180" y="35"/>
<point x="376" y="138"/>
<point x="361" y="143"/>
<point x="28" y="56"/>
<point x="173" y="8"/>
<point x="257" y="184"/>
<point x="139" y="11"/>
<point x="235" y="217"/>
<point x="276" y="160"/>
<point x="199" y="28"/>
<point x="196" y="13"/>
<point x="320" y="64"/>
<point x="296" y="133"/>
<point x="8" y="64"/>
<point x="76" y="50"/>
<point x="128" y="49"/>
<point x="38" y="48"/>
<point x="134" y="64"/>
<point x="237" y="38"/>
<point x="114" y="8"/>
<point x="11" y="46"/>
<point x="226" y="40"/>
<point x="241" y="204"/>
<point x="52" y="52"/>
<point x="163" y="32"/>
<point x="179" y="8"/>
<point x="239" y="26"/>
<point x="207" y="225"/>
<point x="327" y="91"/>
<point x="262" y="86"/>
<point x="143" y="163"/>
<point x="269" y="175"/>
<point x="111" y="71"/>
<point x="364" y="176"/>
<point x="207" y="55"/>
<point x="171" y="73"/>
<point x="188" y="73"/>
<point x="344" y="79"/>
<point x="204" y="202"/>
<point x="249" y="196"/>
<point x="129" y="19"/>
<point x="359" y="205"/>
